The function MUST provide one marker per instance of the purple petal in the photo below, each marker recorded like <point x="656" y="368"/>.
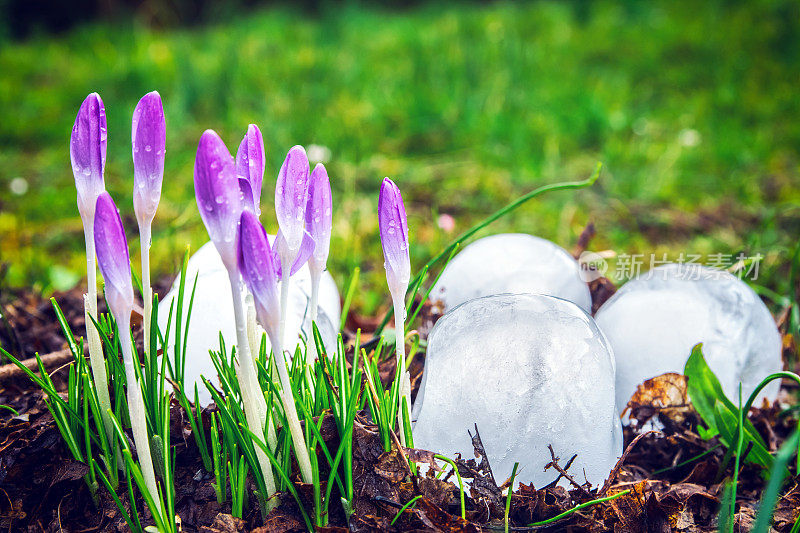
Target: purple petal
<point x="291" y="196"/>
<point x="218" y="196"/>
<point x="87" y="150"/>
<point x="248" y="203"/>
<point x="319" y="215"/>
<point x="394" y="236"/>
<point x="250" y="163"/>
<point x="112" y="255"/>
<point x="255" y="259"/>
<point x="148" y="137"/>
<point x="303" y="254"/>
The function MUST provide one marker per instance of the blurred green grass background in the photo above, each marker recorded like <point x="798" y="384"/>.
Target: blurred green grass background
<point x="693" y="108"/>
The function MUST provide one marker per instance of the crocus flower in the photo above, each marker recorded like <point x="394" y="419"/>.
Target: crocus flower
<point x="114" y="261"/>
<point x="291" y="197"/>
<point x="87" y="150"/>
<point x="256" y="264"/>
<point x="257" y="267"/>
<point x="250" y="168"/>
<point x="112" y="256"/>
<point x="218" y="196"/>
<point x="148" y="137"/>
<point x="217" y="193"/>
<point x="319" y="220"/>
<point x="394" y="237"/>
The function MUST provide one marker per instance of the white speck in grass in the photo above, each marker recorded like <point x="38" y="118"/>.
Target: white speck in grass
<point x="318" y="153"/>
<point x="640" y="126"/>
<point x="689" y="137"/>
<point x="18" y="186"/>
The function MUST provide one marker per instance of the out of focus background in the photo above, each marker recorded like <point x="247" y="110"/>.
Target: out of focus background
<point x="693" y="108"/>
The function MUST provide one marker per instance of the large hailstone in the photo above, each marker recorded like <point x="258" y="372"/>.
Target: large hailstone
<point x="529" y="370"/>
<point x="212" y="314"/>
<point x="513" y="263"/>
<point x="653" y="322"/>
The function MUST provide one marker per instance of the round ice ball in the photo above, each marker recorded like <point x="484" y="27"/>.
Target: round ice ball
<point x="653" y="322"/>
<point x="512" y="263"/>
<point x="530" y="371"/>
<point x="212" y="314"/>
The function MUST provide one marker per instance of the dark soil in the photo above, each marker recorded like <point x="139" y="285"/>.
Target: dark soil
<point x="42" y="487"/>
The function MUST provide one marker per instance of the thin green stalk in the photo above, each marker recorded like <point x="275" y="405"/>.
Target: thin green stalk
<point x="460" y="482"/>
<point x="410" y="503"/>
<point x="348" y="297"/>
<point x="494" y="216"/>
<point x="578" y="508"/>
<point x="510" y="492"/>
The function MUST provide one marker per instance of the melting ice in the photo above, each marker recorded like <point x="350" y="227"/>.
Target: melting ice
<point x="654" y="321"/>
<point x="512" y="263"/>
<point x="529" y="370"/>
<point x="212" y="313"/>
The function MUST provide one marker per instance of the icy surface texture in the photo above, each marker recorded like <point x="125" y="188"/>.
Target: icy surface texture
<point x="653" y="322"/>
<point x="529" y="370"/>
<point x="513" y="263"/>
<point x="212" y="313"/>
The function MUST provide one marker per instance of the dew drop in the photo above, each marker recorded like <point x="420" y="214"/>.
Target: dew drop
<point x="391" y="230"/>
<point x="219" y="199"/>
<point x="148" y="148"/>
<point x="135" y="149"/>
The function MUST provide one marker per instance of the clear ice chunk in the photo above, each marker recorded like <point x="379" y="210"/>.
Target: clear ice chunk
<point x="530" y="371"/>
<point x="212" y="314"/>
<point x="514" y="263"/>
<point x="654" y="320"/>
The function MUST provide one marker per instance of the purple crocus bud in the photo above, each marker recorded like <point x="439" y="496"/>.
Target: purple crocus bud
<point x="394" y="237"/>
<point x="250" y="167"/>
<point x="87" y="150"/>
<point x="257" y="266"/>
<point x="216" y="190"/>
<point x="291" y="197"/>
<point x="319" y="217"/>
<point x="112" y="256"/>
<point x="148" y="136"/>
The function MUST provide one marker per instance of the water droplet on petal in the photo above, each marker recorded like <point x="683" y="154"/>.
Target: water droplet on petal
<point x="219" y="199"/>
<point x="148" y="148"/>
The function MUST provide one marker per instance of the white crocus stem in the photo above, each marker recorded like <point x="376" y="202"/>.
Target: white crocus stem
<point x="136" y="410"/>
<point x="247" y="378"/>
<point x="286" y="264"/>
<point x="405" y="380"/>
<point x="147" y="291"/>
<point x="254" y="335"/>
<point x="289" y="408"/>
<point x="96" y="358"/>
<point x="316" y="275"/>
